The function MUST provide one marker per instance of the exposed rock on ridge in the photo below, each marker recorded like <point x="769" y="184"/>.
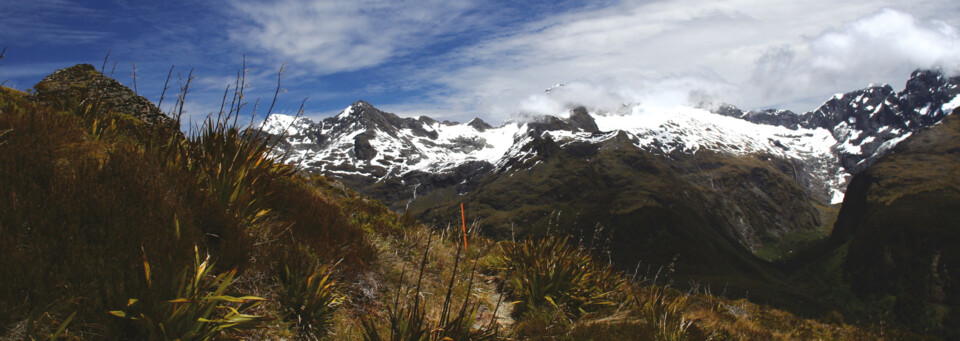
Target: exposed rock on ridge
<point x="83" y="84"/>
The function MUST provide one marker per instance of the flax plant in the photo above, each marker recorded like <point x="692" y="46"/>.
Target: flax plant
<point x="308" y="295"/>
<point x="552" y="272"/>
<point x="235" y="163"/>
<point x="236" y="168"/>
<point x="665" y="312"/>
<point x="201" y="309"/>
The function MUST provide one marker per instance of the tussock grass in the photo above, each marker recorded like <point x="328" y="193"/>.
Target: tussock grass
<point x="77" y="212"/>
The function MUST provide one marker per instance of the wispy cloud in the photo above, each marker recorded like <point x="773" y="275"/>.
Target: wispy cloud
<point x="456" y="59"/>
<point x="682" y="51"/>
<point x="36" y="21"/>
<point x="627" y="51"/>
<point x="335" y="36"/>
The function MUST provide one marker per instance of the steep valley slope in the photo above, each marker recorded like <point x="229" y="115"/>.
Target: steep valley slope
<point x="895" y="241"/>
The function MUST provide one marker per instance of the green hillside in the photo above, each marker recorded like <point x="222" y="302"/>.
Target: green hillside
<point x="644" y="212"/>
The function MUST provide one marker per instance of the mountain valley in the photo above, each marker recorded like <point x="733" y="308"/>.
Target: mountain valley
<point x="840" y="215"/>
<point x="773" y="174"/>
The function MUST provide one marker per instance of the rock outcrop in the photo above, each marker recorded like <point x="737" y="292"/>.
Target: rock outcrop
<point x="85" y="87"/>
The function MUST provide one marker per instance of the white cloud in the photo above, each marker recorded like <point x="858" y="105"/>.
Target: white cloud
<point x="334" y="36"/>
<point x="882" y="47"/>
<point x="655" y="93"/>
<point x="641" y="49"/>
<point x="751" y="53"/>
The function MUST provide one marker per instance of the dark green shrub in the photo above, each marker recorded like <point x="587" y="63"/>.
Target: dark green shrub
<point x="320" y="224"/>
<point x="552" y="272"/>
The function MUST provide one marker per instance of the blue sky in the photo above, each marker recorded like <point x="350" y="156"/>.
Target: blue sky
<point x="458" y="59"/>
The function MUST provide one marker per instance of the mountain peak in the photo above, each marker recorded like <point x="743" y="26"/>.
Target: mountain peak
<point x="479" y="124"/>
<point x="927" y="95"/>
<point x="878" y="87"/>
<point x="358" y="108"/>
<point x="729" y="110"/>
<point x="926" y="73"/>
<point x="583" y="120"/>
<point x="366" y="114"/>
<point x="362" y="104"/>
<point x="775" y="117"/>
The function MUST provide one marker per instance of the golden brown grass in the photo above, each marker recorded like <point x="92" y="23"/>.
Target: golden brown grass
<point x="86" y="199"/>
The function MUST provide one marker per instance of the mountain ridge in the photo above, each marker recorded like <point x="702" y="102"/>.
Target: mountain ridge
<point x="863" y="124"/>
<point x="770" y="185"/>
<point x="865" y="119"/>
<point x="894" y="238"/>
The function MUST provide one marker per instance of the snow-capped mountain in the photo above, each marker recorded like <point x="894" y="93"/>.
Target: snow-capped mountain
<point x="362" y="140"/>
<point x="825" y="146"/>
<point x="865" y="123"/>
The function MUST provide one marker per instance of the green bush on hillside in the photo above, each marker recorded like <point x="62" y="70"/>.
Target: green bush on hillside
<point x="553" y="272"/>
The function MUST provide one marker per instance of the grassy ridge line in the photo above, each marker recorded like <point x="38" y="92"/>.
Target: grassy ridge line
<point x="88" y="198"/>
